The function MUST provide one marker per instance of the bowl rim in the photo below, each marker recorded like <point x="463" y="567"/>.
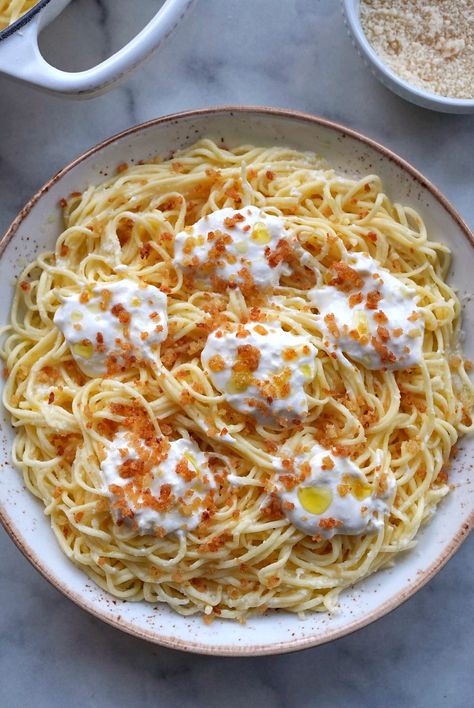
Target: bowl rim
<point x="351" y="12"/>
<point x="233" y="649"/>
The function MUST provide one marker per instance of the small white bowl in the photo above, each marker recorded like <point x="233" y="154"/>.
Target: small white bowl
<point x="389" y="78"/>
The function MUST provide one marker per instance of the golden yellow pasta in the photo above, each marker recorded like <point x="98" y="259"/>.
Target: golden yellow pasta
<point x="237" y="382"/>
<point x="12" y="10"/>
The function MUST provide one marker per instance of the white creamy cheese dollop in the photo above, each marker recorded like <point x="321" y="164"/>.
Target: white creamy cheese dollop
<point x="180" y="482"/>
<point x="326" y="495"/>
<point x="370" y="315"/>
<point x="235" y="247"/>
<point x="262" y="371"/>
<point x="120" y="319"/>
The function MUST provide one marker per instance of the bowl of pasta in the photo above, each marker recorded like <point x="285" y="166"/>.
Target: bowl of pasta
<point x="236" y="401"/>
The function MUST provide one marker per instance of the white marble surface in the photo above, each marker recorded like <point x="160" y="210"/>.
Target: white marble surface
<point x="289" y="53"/>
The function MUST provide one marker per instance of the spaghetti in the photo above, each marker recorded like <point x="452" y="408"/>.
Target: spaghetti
<point x="237" y="381"/>
<point x="12" y="10"/>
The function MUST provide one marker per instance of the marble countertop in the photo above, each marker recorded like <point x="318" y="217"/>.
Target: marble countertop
<point x="285" y="53"/>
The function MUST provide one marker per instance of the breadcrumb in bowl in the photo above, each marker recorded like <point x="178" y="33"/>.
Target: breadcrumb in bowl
<point x="404" y="81"/>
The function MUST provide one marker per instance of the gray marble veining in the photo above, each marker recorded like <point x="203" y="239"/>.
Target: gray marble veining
<point x="288" y="53"/>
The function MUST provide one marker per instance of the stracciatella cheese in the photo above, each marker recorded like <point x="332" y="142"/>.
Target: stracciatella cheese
<point x="324" y="494"/>
<point x="370" y="315"/>
<point x="262" y="371"/>
<point x="172" y="496"/>
<point x="108" y="326"/>
<point x="235" y="247"/>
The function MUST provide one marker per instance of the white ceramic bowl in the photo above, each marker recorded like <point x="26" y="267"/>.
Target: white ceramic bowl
<point x="36" y="229"/>
<point x="21" y="58"/>
<point x="389" y="78"/>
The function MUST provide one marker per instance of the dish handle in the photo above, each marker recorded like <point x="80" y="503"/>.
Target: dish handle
<point x="20" y="56"/>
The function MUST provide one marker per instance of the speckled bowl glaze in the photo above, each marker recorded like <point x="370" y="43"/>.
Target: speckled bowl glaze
<point x="36" y="229"/>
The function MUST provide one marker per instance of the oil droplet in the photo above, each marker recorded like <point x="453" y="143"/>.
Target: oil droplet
<point x="306" y="370"/>
<point x="84" y="350"/>
<point x="315" y="499"/>
<point x="260" y="234"/>
<point x="362" y="323"/>
<point x="359" y="489"/>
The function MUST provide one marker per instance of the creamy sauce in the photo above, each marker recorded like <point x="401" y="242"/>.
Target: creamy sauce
<point x="145" y="518"/>
<point x="387" y="334"/>
<point x="236" y="247"/>
<point x="262" y="371"/>
<point x="118" y="319"/>
<point x="327" y="495"/>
